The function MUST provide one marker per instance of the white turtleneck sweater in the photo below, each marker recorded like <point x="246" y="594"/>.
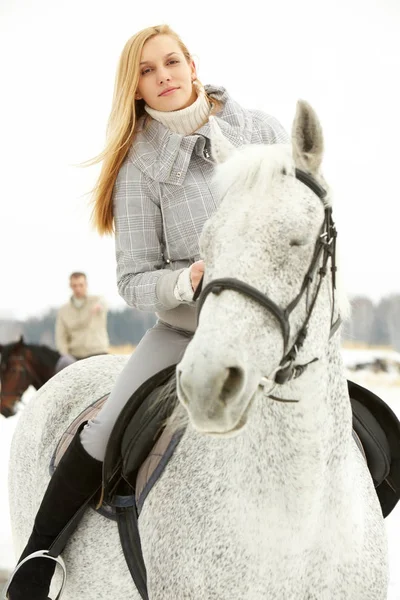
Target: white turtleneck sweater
<point x="184" y="122"/>
<point x="187" y="120"/>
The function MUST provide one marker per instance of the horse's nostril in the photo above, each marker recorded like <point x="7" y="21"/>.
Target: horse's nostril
<point x="232" y="383"/>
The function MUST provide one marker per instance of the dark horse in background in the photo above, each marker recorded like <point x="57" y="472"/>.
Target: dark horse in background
<point x="23" y="365"/>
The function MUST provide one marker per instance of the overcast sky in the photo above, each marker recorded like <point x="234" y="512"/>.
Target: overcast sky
<point x="58" y="65"/>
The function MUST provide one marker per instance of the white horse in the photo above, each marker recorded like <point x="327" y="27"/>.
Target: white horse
<point x="267" y="495"/>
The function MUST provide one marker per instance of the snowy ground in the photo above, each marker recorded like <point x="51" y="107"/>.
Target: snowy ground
<point x="385" y="385"/>
<point x="7" y="427"/>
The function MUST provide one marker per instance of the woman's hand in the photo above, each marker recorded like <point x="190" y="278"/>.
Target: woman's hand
<point x="196" y="273"/>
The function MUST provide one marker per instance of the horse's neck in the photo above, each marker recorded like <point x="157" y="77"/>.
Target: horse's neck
<point x="42" y="369"/>
<point x="287" y="450"/>
<point x="303" y="437"/>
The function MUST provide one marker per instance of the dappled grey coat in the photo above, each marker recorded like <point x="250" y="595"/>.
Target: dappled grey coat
<point x="164" y="194"/>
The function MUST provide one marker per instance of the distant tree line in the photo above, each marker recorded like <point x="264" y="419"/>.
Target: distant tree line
<point x="371" y="324"/>
<point x="375" y="324"/>
<point x="125" y="326"/>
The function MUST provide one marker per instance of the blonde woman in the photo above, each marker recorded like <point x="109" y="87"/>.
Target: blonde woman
<point x="155" y="190"/>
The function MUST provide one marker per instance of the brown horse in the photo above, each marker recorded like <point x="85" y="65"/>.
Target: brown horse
<point x="23" y="365"/>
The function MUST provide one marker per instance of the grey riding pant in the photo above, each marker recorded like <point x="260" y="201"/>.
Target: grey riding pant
<point x="161" y="347"/>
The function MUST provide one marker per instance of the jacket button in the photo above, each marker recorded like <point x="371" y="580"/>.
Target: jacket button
<point x="179" y="174"/>
<point x="168" y="261"/>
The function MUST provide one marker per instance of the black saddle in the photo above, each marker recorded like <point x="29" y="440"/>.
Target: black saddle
<point x="137" y="429"/>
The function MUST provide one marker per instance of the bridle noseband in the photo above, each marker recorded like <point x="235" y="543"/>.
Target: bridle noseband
<point x="325" y="249"/>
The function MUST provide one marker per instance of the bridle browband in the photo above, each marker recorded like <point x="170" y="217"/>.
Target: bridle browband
<point x="325" y="248"/>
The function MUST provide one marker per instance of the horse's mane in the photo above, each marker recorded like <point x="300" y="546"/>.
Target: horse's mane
<point x="254" y="167"/>
<point x="47" y="356"/>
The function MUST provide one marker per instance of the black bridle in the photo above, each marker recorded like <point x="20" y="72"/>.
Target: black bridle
<point x="325" y="250"/>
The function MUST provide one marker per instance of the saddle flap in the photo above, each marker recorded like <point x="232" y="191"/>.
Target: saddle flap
<point x="145" y="428"/>
<point x="374" y="442"/>
<point x="113" y="461"/>
<point x="153" y="467"/>
<point x="389" y="489"/>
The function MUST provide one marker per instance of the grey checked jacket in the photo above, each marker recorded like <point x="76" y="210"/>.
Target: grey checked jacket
<point x="163" y="195"/>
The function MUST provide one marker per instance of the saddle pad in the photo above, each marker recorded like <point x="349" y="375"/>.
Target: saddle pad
<point x="88" y="413"/>
<point x="154" y="465"/>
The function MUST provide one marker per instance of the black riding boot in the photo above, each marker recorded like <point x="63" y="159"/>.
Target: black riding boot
<point x="75" y="479"/>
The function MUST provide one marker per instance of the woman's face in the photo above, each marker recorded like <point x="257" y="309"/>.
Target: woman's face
<point x="166" y="78"/>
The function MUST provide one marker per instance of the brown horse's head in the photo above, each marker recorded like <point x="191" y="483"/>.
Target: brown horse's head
<point x="23" y="365"/>
<point x="15" y="375"/>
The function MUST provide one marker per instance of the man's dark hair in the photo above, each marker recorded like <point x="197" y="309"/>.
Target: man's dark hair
<point x="77" y="274"/>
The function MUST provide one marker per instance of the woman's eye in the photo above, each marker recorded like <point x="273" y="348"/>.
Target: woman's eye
<point x="170" y="62"/>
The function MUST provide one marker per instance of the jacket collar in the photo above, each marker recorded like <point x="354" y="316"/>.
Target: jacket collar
<point x="164" y="156"/>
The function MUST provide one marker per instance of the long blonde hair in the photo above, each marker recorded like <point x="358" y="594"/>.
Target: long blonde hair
<point x="121" y="128"/>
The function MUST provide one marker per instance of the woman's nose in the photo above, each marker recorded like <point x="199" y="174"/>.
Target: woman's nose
<point x="163" y="76"/>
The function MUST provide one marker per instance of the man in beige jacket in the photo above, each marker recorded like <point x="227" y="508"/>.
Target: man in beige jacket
<point x="81" y="325"/>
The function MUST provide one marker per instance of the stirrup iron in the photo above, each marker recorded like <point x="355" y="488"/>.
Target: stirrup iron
<point x="39" y="554"/>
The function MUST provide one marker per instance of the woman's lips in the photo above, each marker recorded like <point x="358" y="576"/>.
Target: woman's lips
<point x="168" y="92"/>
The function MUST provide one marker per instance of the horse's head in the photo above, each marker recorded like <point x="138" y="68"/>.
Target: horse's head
<point x="15" y="377"/>
<point x="268" y="305"/>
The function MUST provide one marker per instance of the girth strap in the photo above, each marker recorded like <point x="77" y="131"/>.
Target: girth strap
<point x="130" y="541"/>
<point x="129" y="537"/>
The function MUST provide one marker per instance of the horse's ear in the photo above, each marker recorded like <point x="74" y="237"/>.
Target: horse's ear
<point x="21" y="340"/>
<point x="221" y="148"/>
<point x="307" y="138"/>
